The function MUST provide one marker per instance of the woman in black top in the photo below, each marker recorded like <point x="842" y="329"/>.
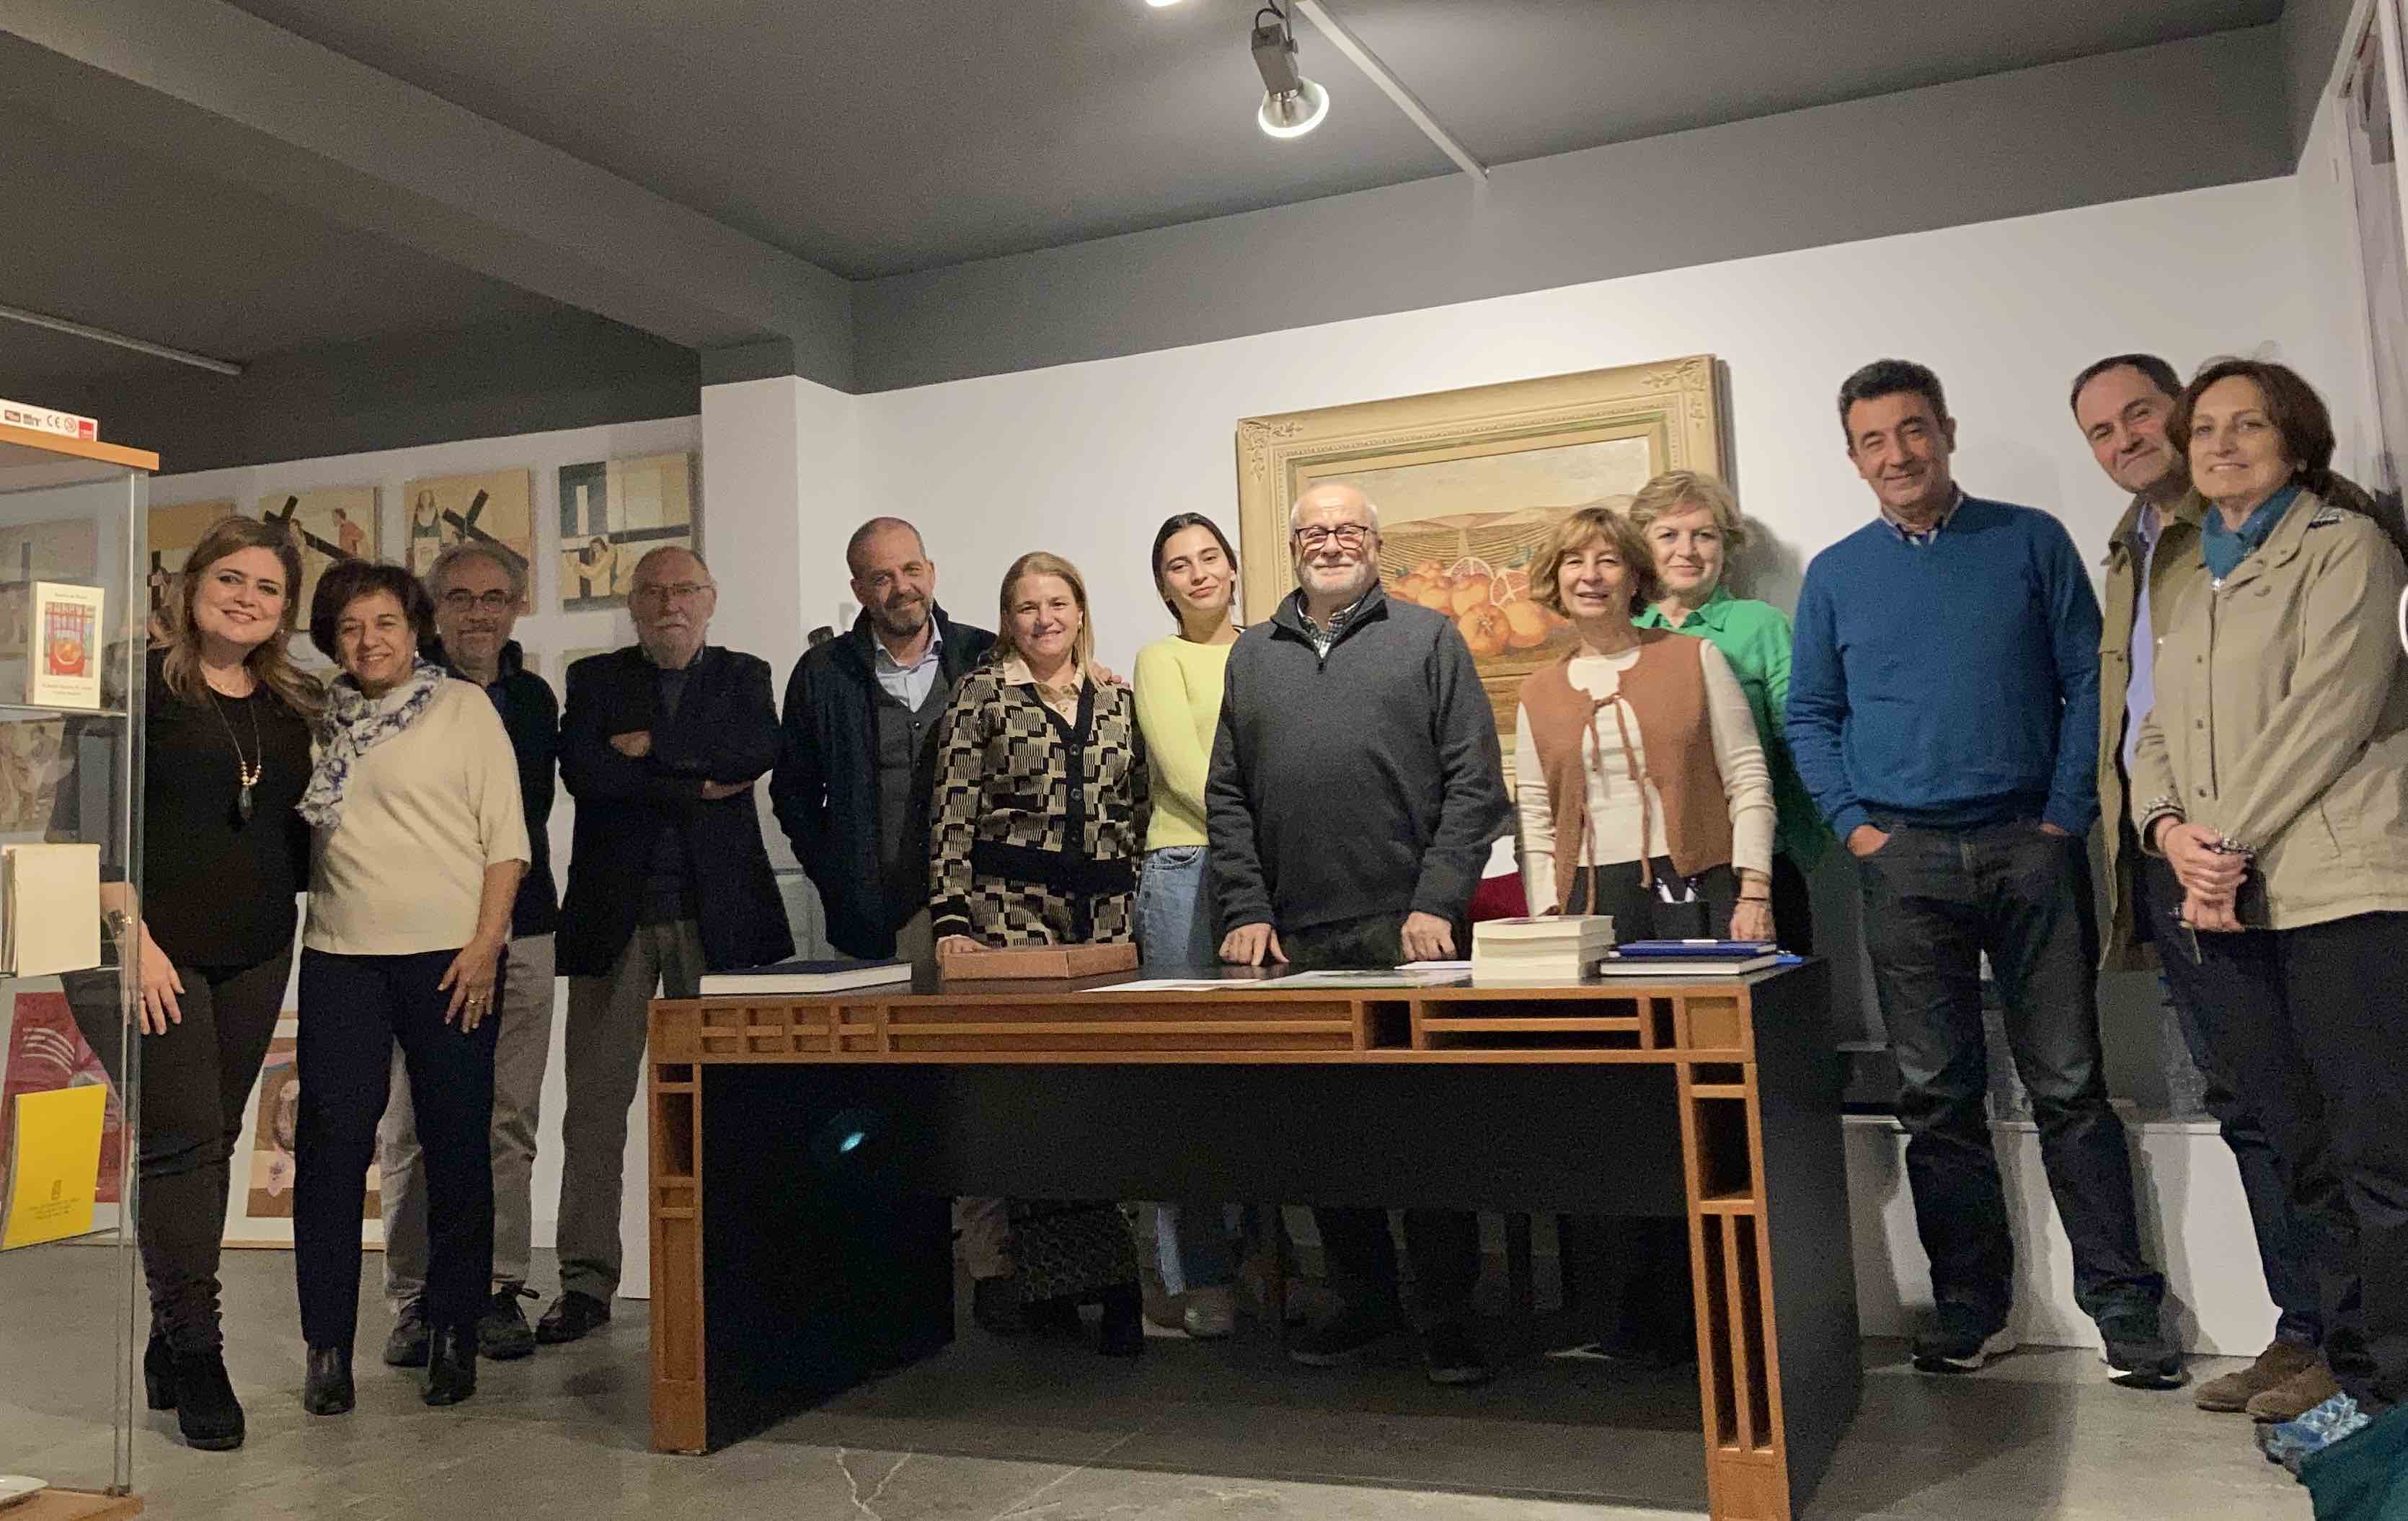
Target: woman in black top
<point x="228" y="755"/>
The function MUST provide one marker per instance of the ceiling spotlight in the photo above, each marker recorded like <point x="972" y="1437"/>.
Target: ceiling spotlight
<point x="1159" y="5"/>
<point x="1292" y="104"/>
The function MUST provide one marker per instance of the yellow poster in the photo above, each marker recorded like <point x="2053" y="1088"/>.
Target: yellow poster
<point x="54" y="1164"/>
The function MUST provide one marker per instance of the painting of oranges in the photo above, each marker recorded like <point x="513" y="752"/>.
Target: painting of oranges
<point x="1475" y="568"/>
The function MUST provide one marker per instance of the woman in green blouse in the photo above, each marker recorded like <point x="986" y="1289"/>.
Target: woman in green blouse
<point x="1690" y="520"/>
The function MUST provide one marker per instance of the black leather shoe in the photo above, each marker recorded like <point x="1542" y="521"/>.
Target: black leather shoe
<point x="328" y="1388"/>
<point x="207" y="1410"/>
<point x="571" y="1316"/>
<point x="407" y="1346"/>
<point x="159" y="1372"/>
<point x="1123" y="1333"/>
<point x="451" y="1365"/>
<point x="502" y="1331"/>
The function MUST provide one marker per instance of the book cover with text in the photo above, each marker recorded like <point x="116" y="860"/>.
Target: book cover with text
<point x="63" y="667"/>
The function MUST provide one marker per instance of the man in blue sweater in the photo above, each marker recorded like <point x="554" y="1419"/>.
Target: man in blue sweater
<point x="1943" y="709"/>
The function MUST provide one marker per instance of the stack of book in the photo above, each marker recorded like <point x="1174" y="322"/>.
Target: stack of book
<point x="1681" y="959"/>
<point x="1545" y="948"/>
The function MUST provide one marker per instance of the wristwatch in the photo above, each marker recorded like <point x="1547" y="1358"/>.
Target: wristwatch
<point x="119" y="922"/>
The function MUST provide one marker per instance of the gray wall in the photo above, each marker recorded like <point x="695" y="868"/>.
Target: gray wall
<point x="515" y="375"/>
<point x="2173" y="117"/>
<point x="2311" y="42"/>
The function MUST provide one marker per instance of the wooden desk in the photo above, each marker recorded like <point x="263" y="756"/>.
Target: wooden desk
<point x="805" y="1151"/>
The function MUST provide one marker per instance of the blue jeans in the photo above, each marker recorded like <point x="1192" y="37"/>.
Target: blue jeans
<point x="1934" y="900"/>
<point x="1174" y="934"/>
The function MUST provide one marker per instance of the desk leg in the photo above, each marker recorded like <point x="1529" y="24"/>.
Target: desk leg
<point x="681" y="1414"/>
<point x="1747" y="1475"/>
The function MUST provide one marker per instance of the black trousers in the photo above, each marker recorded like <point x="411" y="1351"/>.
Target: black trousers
<point x="1935" y="901"/>
<point x="196" y="1076"/>
<point x="353" y="1009"/>
<point x="2309" y="1023"/>
<point x="2207" y="993"/>
<point x="1362" y="1257"/>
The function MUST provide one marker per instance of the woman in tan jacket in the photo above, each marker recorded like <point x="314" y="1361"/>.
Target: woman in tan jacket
<point x="2270" y="790"/>
<point x="1643" y="793"/>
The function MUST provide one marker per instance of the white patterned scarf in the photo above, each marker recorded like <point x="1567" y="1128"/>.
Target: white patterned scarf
<point x="356" y="724"/>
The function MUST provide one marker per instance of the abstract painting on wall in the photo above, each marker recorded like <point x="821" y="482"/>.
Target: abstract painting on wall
<point x="327" y="526"/>
<point x="614" y="514"/>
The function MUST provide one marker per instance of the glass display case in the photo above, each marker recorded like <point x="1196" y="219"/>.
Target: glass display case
<point x="72" y="523"/>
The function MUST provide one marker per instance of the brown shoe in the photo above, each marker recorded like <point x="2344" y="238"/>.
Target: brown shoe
<point x="2281" y="1362"/>
<point x="2295" y="1396"/>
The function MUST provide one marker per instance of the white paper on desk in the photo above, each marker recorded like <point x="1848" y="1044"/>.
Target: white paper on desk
<point x="1176" y="984"/>
<point x="1399" y="978"/>
<point x="1436" y="966"/>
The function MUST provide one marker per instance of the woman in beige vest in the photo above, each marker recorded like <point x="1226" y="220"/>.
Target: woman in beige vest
<point x="1644" y="795"/>
<point x="1641" y="782"/>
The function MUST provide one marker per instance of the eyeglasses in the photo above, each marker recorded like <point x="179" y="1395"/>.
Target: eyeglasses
<point x="678" y="591"/>
<point x="1349" y="535"/>
<point x="463" y="600"/>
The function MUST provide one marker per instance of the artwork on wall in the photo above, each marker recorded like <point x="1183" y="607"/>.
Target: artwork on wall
<point x="34" y="765"/>
<point x="613" y="513"/>
<point x="1466" y="483"/>
<point x="45" y="1052"/>
<point x="496" y="507"/>
<point x="173" y="532"/>
<point x="339" y="523"/>
<point x="259" y="1211"/>
<point x="31" y="552"/>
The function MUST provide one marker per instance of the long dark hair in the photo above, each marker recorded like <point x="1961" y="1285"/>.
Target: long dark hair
<point x="1172" y="527"/>
<point x="270" y="661"/>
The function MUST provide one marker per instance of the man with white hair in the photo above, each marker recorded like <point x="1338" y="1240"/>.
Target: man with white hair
<point x="1354" y="790"/>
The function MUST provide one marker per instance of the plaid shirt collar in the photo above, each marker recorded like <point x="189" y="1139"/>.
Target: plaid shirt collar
<point x="1922" y="538"/>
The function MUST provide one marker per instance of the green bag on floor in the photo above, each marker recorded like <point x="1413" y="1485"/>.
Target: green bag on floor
<point x="2364" y="1478"/>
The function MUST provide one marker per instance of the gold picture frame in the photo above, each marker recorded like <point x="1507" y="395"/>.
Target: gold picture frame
<point x="1467" y="482"/>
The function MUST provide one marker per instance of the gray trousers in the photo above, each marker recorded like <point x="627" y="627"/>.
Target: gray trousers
<point x="607" y="1025"/>
<point x="522" y="1050"/>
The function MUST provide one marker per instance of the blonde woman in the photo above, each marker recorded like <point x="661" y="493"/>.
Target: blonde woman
<point x="1691" y="522"/>
<point x="226" y="737"/>
<point x="1644" y="795"/>
<point x="1041" y="814"/>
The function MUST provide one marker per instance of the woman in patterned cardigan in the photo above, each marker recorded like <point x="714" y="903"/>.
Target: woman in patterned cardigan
<point x="1041" y="812"/>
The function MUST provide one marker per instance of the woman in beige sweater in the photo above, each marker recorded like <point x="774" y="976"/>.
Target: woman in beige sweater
<point x="420" y="840"/>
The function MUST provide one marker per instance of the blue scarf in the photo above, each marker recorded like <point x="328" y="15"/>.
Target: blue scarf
<point x="356" y="724"/>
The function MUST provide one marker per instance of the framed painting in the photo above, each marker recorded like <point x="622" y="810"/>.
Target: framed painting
<point x="326" y="526"/>
<point x="496" y="508"/>
<point x="611" y="515"/>
<point x="1468" y="482"/>
<point x="259" y="1207"/>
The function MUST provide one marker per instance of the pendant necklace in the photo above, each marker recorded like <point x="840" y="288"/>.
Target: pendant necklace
<point x="249" y="770"/>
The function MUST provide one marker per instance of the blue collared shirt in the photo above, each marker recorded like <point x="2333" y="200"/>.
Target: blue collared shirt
<point x="908" y="684"/>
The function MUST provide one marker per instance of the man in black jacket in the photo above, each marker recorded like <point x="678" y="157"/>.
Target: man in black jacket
<point x="859" y="745"/>
<point x="477" y="589"/>
<point x="668" y="878"/>
<point x="1356" y="788"/>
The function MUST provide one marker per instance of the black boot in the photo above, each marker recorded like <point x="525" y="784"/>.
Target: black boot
<point x="1123" y="1333"/>
<point x="328" y="1388"/>
<point x="207" y="1410"/>
<point x="159" y="1372"/>
<point x="451" y="1365"/>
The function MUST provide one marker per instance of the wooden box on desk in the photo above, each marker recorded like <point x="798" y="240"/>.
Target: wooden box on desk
<point x="1034" y="961"/>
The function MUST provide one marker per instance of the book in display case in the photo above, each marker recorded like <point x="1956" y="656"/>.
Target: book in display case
<point x="75" y="593"/>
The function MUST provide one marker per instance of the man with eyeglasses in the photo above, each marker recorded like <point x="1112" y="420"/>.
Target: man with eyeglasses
<point x="1354" y="790"/>
<point x="668" y="878"/>
<point x="478" y="588"/>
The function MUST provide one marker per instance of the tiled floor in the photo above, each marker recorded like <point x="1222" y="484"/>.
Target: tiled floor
<point x="1048" y="1431"/>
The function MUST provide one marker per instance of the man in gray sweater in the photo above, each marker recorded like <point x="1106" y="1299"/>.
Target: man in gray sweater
<point x="1354" y="791"/>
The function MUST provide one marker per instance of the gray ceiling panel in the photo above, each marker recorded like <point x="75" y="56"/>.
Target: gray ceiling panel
<point x="911" y="133"/>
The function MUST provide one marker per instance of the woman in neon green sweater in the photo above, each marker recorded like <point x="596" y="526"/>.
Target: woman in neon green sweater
<point x="1178" y="683"/>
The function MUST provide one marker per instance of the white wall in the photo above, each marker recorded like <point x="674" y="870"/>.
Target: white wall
<point x="1087" y="459"/>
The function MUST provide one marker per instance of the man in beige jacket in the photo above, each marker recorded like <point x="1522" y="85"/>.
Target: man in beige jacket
<point x="2121" y="404"/>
